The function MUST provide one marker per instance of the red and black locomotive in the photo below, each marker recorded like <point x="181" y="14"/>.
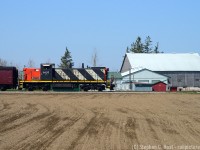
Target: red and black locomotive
<point x="47" y="77"/>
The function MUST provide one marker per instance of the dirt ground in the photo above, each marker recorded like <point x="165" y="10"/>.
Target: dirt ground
<point x="99" y="121"/>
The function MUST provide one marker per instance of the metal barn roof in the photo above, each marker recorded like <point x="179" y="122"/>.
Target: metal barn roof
<point x="165" y="62"/>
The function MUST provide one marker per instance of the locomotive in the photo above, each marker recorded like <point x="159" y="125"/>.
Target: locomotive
<point x="47" y="77"/>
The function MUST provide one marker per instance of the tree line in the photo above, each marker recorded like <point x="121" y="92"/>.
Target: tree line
<point x="136" y="47"/>
<point x="66" y="60"/>
<point x="143" y="47"/>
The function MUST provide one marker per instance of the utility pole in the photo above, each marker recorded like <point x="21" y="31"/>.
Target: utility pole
<point x="130" y="79"/>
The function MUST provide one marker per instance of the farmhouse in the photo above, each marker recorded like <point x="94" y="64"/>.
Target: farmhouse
<point x="182" y="69"/>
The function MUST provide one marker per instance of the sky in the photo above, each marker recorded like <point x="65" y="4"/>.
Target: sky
<point x="40" y="30"/>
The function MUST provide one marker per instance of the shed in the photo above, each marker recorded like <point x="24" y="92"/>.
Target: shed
<point x="159" y="87"/>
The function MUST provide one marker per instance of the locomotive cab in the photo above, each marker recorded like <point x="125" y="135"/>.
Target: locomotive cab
<point x="47" y="71"/>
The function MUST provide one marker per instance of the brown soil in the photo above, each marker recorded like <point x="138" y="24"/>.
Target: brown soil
<point x="105" y="121"/>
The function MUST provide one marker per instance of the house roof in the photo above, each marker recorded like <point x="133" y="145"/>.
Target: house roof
<point x="165" y="61"/>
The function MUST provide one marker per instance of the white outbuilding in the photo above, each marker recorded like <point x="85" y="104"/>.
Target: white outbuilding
<point x="141" y="76"/>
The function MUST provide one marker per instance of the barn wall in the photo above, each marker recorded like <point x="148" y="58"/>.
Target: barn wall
<point x="183" y="79"/>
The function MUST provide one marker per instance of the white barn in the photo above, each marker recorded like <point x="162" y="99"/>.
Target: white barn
<point x="183" y="69"/>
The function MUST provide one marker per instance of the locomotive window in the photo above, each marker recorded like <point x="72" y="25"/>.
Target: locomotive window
<point x="46" y="67"/>
<point x="53" y="65"/>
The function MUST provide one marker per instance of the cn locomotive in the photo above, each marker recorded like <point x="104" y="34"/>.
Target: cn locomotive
<point x="47" y="77"/>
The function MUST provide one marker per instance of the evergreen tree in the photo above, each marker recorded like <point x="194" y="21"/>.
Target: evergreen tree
<point x="156" y="48"/>
<point x="127" y="50"/>
<point x="147" y="48"/>
<point x="66" y="60"/>
<point x="137" y="47"/>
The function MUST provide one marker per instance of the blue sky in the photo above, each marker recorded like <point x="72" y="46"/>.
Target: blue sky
<point x="41" y="29"/>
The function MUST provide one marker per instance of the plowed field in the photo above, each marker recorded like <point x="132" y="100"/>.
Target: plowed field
<point x="101" y="121"/>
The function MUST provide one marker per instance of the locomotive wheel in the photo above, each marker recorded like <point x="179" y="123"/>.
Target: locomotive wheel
<point x="44" y="89"/>
<point x="3" y="89"/>
<point x="100" y="89"/>
<point x="30" y="89"/>
<point x="85" y="89"/>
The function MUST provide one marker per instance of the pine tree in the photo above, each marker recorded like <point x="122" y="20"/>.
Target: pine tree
<point x="127" y="50"/>
<point x="147" y="45"/>
<point x="156" y="48"/>
<point x="66" y="60"/>
<point x="137" y="47"/>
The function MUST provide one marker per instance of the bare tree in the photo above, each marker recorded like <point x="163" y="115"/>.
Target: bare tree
<point x="48" y="61"/>
<point x="31" y="63"/>
<point x="94" y="58"/>
<point x="3" y="62"/>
